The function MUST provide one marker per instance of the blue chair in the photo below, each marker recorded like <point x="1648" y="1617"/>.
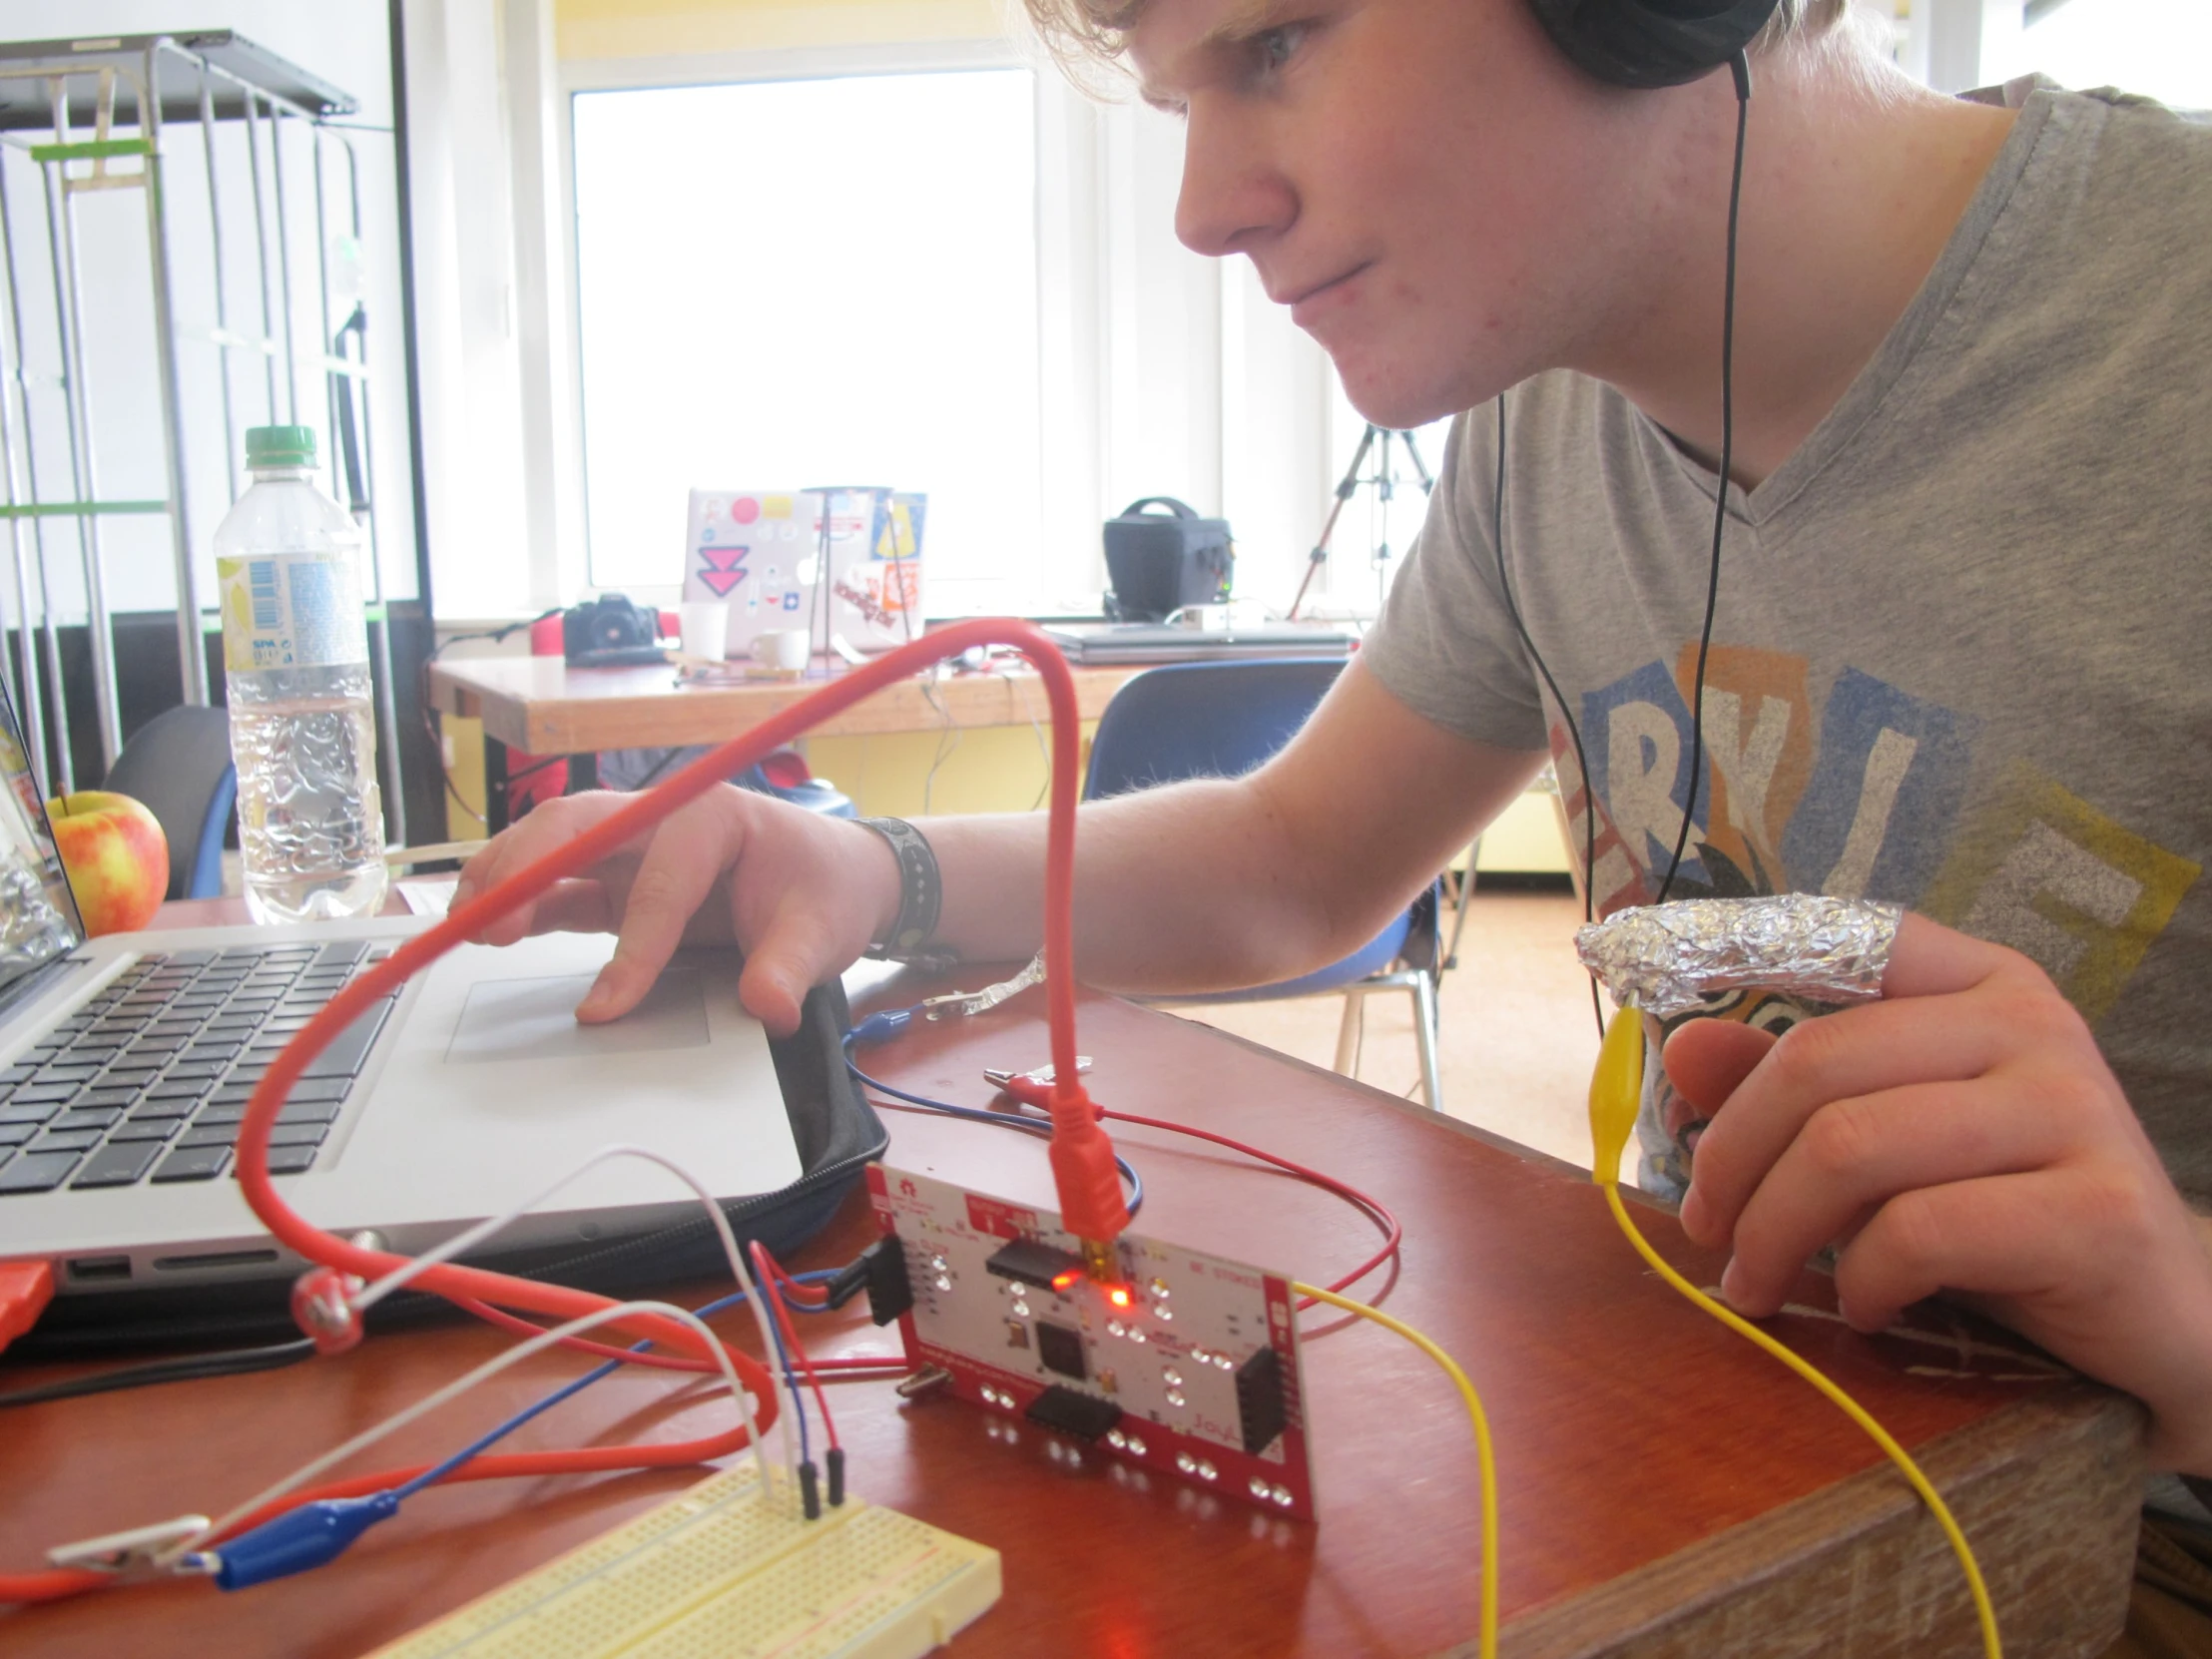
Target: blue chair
<point x="1222" y="720"/>
<point x="179" y="765"/>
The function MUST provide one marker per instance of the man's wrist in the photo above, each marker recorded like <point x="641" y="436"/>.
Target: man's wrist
<point x="921" y="890"/>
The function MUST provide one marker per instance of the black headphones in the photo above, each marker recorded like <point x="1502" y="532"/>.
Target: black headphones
<point x="1651" y="43"/>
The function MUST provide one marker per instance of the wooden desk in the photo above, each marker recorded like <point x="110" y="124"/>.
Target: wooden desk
<point x="1666" y="1489"/>
<point x="541" y="705"/>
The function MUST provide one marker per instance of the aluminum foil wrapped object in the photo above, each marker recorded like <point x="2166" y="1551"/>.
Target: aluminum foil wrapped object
<point x="1668" y="958"/>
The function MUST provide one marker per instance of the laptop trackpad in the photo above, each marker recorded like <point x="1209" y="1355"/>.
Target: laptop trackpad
<point x="535" y="1019"/>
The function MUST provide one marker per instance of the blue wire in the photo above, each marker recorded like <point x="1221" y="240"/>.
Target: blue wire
<point x="998" y="1120"/>
<point x="886" y="1025"/>
<point x="790" y="1380"/>
<point x="875" y="1026"/>
<point x="434" y="1475"/>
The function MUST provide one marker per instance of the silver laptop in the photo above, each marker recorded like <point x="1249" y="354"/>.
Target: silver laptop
<point x="1102" y="645"/>
<point x="125" y="1064"/>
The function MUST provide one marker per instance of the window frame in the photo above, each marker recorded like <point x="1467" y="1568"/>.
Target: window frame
<point x="1063" y="240"/>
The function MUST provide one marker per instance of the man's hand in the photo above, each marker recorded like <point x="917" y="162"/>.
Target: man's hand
<point x="799" y="893"/>
<point x="1961" y="1135"/>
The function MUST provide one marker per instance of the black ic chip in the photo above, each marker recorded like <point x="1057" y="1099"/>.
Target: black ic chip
<point x="1030" y="1262"/>
<point x="1061" y="1350"/>
<point x="1075" y="1413"/>
<point x="1260" y="1409"/>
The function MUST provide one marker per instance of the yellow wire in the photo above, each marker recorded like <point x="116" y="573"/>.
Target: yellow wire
<point x="1614" y="1092"/>
<point x="1483" y="1456"/>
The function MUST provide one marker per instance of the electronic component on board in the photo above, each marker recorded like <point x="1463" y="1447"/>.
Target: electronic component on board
<point x="1073" y="1411"/>
<point x="1061" y="1350"/>
<point x="1260" y="1412"/>
<point x="1026" y="1262"/>
<point x="880" y="1270"/>
<point x="1183" y="1365"/>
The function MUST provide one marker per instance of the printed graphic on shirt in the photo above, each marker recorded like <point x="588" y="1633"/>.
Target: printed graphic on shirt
<point x="1759" y="734"/>
<point x="1886" y="791"/>
<point x="1619" y="881"/>
<point x="1873" y="803"/>
<point x="2041" y="869"/>
<point x="1638" y="733"/>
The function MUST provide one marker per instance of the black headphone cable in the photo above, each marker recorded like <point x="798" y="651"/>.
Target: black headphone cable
<point x="1740" y="70"/>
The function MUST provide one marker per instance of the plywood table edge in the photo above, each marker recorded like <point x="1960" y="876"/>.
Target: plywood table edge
<point x="1870" y="1539"/>
<point x="575" y="725"/>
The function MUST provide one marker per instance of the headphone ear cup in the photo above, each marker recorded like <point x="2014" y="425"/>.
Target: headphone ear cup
<point x="1651" y="43"/>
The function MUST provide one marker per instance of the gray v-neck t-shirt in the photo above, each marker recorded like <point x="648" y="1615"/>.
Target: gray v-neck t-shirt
<point x="1962" y="652"/>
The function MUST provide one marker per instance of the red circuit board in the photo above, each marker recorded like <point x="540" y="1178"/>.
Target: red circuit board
<point x="1188" y="1368"/>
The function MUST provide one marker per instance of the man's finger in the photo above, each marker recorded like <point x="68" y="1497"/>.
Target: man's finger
<point x="579" y="906"/>
<point x="1930" y="959"/>
<point x="1853" y="1156"/>
<point x="679" y="867"/>
<point x="1860" y="1051"/>
<point x="516" y="848"/>
<point x="791" y="956"/>
<point x="1707" y="1058"/>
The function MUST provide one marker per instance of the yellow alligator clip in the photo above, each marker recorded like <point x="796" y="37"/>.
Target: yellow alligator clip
<point x="1616" y="1090"/>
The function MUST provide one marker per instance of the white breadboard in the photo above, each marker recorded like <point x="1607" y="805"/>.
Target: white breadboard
<point x="720" y="1574"/>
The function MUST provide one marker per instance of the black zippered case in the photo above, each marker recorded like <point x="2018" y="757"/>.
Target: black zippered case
<point x="837" y="1131"/>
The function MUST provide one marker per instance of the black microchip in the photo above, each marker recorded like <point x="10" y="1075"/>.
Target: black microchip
<point x="1027" y="1262"/>
<point x="1061" y="1350"/>
<point x="1085" y="1415"/>
<point x="1260" y="1405"/>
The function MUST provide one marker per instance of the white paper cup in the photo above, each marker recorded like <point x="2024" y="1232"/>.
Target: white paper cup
<point x="706" y="629"/>
<point x="787" y="650"/>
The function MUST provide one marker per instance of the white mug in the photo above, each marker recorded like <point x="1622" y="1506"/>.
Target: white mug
<point x="706" y="629"/>
<point x="787" y="650"/>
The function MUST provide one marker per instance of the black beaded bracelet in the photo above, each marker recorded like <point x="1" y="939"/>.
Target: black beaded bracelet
<point x="920" y="890"/>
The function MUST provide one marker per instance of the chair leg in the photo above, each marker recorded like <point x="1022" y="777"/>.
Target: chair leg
<point x="1423" y="989"/>
<point x="1347" y="1031"/>
<point x="1460" y="909"/>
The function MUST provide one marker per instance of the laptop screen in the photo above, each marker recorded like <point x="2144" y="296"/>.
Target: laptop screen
<point x="38" y="914"/>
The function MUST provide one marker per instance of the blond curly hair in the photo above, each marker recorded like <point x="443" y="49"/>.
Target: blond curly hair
<point x="1086" y="37"/>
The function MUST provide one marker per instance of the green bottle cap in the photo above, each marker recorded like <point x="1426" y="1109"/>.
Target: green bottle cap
<point x="274" y="446"/>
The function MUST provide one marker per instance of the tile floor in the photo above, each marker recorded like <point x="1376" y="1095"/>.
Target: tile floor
<point x="1518" y="1035"/>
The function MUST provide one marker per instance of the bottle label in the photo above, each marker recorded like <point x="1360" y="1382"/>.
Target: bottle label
<point x="292" y="610"/>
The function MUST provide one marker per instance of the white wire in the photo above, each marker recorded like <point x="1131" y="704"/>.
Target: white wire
<point x="370" y="1294"/>
<point x="780" y="1376"/>
<point x="460" y="1386"/>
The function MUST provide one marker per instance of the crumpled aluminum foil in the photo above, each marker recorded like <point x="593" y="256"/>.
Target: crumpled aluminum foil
<point x="1667" y="958"/>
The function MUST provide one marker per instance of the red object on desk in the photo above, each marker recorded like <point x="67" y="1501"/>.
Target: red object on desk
<point x="533" y="779"/>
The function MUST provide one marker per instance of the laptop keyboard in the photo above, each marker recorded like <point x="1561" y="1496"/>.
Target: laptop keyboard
<point x="147" y="1080"/>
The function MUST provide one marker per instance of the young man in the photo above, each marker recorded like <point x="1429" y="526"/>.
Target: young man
<point x="1956" y="660"/>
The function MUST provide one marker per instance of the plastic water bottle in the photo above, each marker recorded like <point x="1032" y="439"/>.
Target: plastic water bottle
<point x="295" y="661"/>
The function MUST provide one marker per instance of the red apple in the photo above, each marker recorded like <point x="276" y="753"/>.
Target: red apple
<point x="115" y="856"/>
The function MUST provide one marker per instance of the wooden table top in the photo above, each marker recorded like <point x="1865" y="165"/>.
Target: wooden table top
<point x="1666" y="1489"/>
<point x="542" y="706"/>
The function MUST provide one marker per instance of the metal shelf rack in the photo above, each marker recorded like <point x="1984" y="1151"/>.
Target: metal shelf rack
<point x="91" y="116"/>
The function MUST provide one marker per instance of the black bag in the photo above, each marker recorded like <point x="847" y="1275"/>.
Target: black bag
<point x="838" y="1135"/>
<point x="1161" y="563"/>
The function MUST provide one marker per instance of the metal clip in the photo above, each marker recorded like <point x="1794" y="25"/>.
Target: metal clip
<point x="966" y="1003"/>
<point x="923" y="1382"/>
<point x="129" y="1554"/>
<point x="1041" y="1076"/>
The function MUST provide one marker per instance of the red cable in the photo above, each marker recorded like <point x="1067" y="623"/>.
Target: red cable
<point x="1030" y="1093"/>
<point x="769" y="1273"/>
<point x="1393" y="1232"/>
<point x="1077" y="1161"/>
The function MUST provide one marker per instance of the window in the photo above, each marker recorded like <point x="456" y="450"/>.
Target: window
<point x="2160" y="48"/>
<point x="785" y="283"/>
